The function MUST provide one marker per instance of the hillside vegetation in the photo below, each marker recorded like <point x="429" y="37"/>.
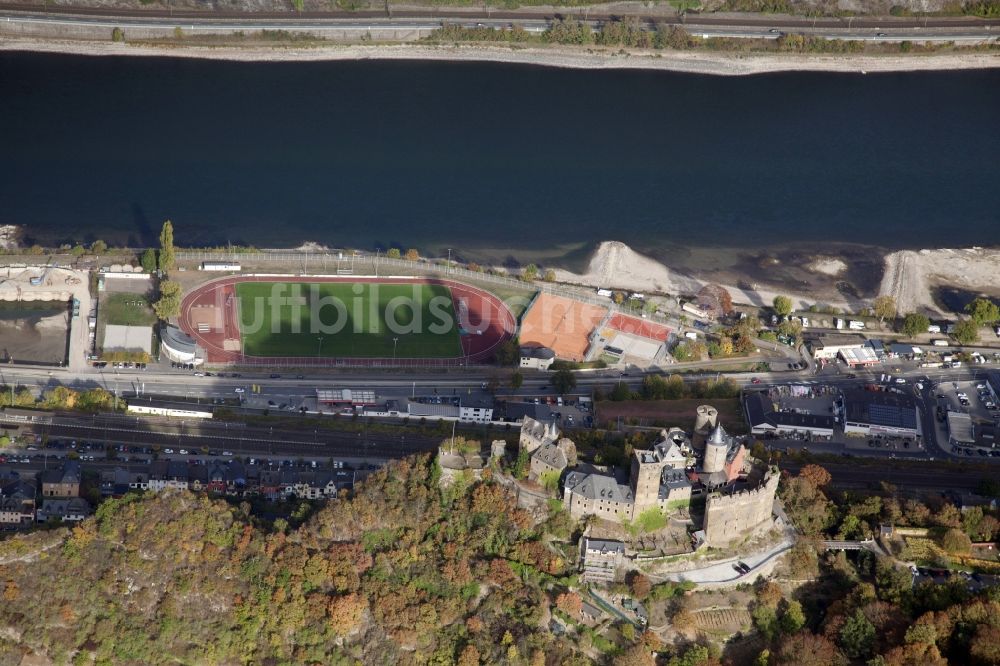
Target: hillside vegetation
<point x="402" y="573"/>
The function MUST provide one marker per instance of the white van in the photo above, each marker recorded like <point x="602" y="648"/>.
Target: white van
<point x="691" y="335"/>
<point x="805" y="322"/>
<point x="933" y="328"/>
<point x="940" y="343"/>
<point x="838" y="323"/>
<point x="856" y="325"/>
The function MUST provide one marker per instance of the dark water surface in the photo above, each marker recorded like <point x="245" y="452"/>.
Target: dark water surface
<point x="470" y="155"/>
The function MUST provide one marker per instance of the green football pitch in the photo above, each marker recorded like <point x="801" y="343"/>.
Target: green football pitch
<point x="347" y="320"/>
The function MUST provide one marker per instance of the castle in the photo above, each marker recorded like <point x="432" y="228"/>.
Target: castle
<point x="739" y="492"/>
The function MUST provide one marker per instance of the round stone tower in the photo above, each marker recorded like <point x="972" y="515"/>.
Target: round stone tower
<point x="716" y="448"/>
<point x="705" y="420"/>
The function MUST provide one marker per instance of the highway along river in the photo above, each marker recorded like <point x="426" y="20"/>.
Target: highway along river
<point x="466" y="155"/>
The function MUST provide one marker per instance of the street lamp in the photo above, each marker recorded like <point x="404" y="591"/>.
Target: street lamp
<point x="394" y="342"/>
<point x="319" y="348"/>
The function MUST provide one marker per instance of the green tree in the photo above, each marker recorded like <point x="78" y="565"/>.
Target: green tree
<point x="983" y="311"/>
<point x="915" y="323"/>
<point x="563" y="381"/>
<point x="169" y="304"/>
<point x="78" y="250"/>
<point x="509" y="353"/>
<point x="956" y="542"/>
<point x="620" y="392"/>
<point x="857" y="636"/>
<point x="530" y="273"/>
<point x="394" y="253"/>
<point x="782" y="305"/>
<point x="792" y="618"/>
<point x="117" y="35"/>
<point x="892" y="583"/>
<point x="516" y="379"/>
<point x="168" y="258"/>
<point x="148" y="260"/>
<point x="98" y="247"/>
<point x="966" y="332"/>
<point x="521" y="464"/>
<point x="884" y="308"/>
<point x="550" y="275"/>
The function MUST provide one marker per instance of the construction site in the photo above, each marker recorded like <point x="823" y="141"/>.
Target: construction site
<point x="44" y="315"/>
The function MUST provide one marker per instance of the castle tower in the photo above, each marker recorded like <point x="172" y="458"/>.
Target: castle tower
<point x="705" y="420"/>
<point x="647" y="468"/>
<point x="716" y="449"/>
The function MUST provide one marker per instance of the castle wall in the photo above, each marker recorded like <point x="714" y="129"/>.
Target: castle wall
<point x="730" y="517"/>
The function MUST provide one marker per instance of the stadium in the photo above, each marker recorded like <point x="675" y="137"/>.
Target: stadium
<point x="276" y="320"/>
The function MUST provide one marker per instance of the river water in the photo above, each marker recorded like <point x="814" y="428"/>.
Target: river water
<point x="474" y="155"/>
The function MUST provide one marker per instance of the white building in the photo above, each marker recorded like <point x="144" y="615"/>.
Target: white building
<point x="537" y="358"/>
<point x="476" y="409"/>
<point x="179" y="347"/>
<point x="187" y="410"/>
<point x="220" y="266"/>
<point x="830" y="346"/>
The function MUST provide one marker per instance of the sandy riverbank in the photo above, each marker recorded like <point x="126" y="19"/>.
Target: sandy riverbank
<point x="825" y="278"/>
<point x="725" y="64"/>
<point x="913" y="276"/>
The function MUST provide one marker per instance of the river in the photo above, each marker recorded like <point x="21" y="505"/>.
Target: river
<point x="478" y="156"/>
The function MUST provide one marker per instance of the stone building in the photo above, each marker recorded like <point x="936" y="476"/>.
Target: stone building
<point x="534" y="434"/>
<point x="657" y="480"/>
<point x="730" y="516"/>
<point x="64" y="482"/>
<point x="723" y="459"/>
<point x="456" y="462"/>
<point x="705" y="420"/>
<point x="740" y="496"/>
<point x="552" y="457"/>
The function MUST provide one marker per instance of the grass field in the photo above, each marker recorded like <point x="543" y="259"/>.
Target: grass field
<point x="360" y="329"/>
<point x="126" y="310"/>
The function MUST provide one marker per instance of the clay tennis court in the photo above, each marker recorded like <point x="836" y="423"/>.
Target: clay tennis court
<point x="561" y="324"/>
<point x="210" y="314"/>
<point x="639" y="327"/>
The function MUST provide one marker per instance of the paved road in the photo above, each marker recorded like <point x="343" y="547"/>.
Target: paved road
<point x="961" y="29"/>
<point x="501" y="16"/>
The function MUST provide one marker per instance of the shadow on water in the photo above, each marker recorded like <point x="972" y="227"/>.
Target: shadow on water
<point x="145" y="237"/>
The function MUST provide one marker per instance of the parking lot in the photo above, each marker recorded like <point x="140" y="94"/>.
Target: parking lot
<point x="969" y="397"/>
<point x="972" y="398"/>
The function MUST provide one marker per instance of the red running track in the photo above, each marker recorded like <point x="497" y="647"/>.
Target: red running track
<point x="475" y="308"/>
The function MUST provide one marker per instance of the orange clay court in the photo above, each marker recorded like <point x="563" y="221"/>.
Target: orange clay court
<point x="561" y="324"/>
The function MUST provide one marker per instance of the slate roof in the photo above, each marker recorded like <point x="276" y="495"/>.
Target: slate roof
<point x="551" y="455"/>
<point x="604" y="545"/>
<point x="599" y="487"/>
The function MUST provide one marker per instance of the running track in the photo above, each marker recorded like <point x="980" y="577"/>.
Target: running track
<point x="480" y="307"/>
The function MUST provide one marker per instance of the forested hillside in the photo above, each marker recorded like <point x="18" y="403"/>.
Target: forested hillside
<point x="401" y="573"/>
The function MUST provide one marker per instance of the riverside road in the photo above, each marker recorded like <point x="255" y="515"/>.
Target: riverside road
<point x="966" y="29"/>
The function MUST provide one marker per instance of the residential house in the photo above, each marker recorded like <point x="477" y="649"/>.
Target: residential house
<point x="17" y="503"/>
<point x="601" y="559"/>
<point x="168" y="474"/>
<point x="63" y="482"/>
<point x="63" y="509"/>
